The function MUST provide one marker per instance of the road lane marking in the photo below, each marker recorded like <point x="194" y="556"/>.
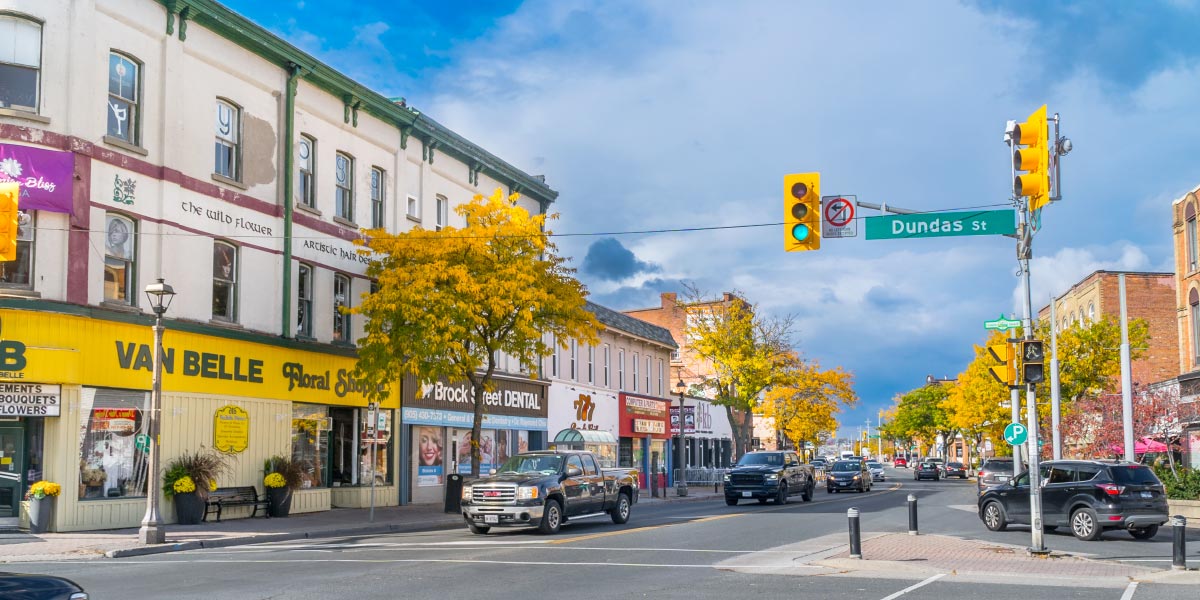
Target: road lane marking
<point x="915" y="586"/>
<point x="527" y="548"/>
<point x="1128" y="595"/>
<point x="465" y="561"/>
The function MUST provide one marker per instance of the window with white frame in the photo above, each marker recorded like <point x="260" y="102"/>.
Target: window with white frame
<point x="378" y="189"/>
<point x="574" y="360"/>
<point x="226" y="162"/>
<point x="19" y="273"/>
<point x="554" y="356"/>
<point x="636" y="363"/>
<point x="411" y="207"/>
<point x="20" y="63"/>
<point x="1193" y="250"/>
<point x="124" y="87"/>
<point x="591" y="372"/>
<point x="341" y="298"/>
<point x="660" y="377"/>
<point x="120" y="245"/>
<point x="607" y="363"/>
<point x="621" y="369"/>
<point x="304" y="301"/>
<point x="225" y="281"/>
<point x="442" y="213"/>
<point x="648" y="388"/>
<point x="306" y="171"/>
<point x="343" y="180"/>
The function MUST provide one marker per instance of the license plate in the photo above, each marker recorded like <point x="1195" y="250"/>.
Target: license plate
<point x="1147" y="495"/>
<point x="1002" y="478"/>
<point x="747" y="494"/>
<point x="491" y="519"/>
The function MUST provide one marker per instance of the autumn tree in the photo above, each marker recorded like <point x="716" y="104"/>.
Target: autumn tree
<point x="449" y="302"/>
<point x="806" y="401"/>
<point x="977" y="404"/>
<point x="919" y="414"/>
<point x="1089" y="357"/>
<point x="746" y="353"/>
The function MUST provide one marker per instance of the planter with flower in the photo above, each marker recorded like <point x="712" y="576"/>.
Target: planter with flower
<point x="41" y="505"/>
<point x="282" y="477"/>
<point x="189" y="479"/>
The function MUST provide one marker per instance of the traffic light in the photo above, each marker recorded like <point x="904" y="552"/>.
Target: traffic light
<point x="10" y="195"/>
<point x="1005" y="371"/>
<point x="1033" y="368"/>
<point x="1034" y="158"/>
<point x="802" y="212"/>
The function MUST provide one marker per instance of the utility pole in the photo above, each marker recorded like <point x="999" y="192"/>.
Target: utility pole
<point x="1126" y="376"/>
<point x="1055" y="393"/>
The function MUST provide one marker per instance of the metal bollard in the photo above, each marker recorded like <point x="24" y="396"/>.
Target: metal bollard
<point x="1179" y="543"/>
<point x="912" y="514"/>
<point x="855" y="534"/>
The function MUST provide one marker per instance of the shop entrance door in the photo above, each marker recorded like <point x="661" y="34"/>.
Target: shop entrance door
<point x="12" y="465"/>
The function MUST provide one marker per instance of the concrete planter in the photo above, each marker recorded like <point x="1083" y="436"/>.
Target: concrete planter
<point x="1187" y="508"/>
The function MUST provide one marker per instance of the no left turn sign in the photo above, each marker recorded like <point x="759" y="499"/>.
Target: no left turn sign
<point x="837" y="217"/>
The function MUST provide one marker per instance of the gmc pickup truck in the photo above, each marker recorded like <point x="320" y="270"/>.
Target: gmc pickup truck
<point x="545" y="490"/>
<point x="769" y="475"/>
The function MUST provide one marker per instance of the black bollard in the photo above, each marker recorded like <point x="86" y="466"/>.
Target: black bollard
<point x="1179" y="543"/>
<point x="855" y="534"/>
<point x="912" y="514"/>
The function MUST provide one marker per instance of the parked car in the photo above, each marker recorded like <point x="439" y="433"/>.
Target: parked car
<point x="769" y="475"/>
<point x="848" y="475"/>
<point x="926" y="470"/>
<point x="22" y="586"/>
<point x="546" y="489"/>
<point x="994" y="471"/>
<point x="818" y="463"/>
<point x="876" y="470"/>
<point x="900" y="463"/>
<point x="940" y="462"/>
<point x="1088" y="496"/>
<point x="956" y="469"/>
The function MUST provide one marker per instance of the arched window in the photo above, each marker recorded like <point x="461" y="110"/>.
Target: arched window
<point x="1092" y="312"/>
<point x="1194" y="302"/>
<point x="1189" y="215"/>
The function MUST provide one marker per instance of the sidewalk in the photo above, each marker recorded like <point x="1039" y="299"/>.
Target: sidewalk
<point x="116" y="543"/>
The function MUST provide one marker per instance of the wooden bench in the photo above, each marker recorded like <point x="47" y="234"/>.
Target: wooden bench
<point x="235" y="496"/>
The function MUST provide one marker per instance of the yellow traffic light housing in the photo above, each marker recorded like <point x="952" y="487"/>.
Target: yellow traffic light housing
<point x="1005" y="371"/>
<point x="802" y="212"/>
<point x="1034" y="158"/>
<point x="10" y="195"/>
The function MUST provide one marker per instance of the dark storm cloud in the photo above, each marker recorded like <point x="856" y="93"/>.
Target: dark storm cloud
<point x="609" y="260"/>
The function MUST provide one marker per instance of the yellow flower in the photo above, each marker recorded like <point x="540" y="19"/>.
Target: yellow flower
<point x="212" y="485"/>
<point x="274" y="480"/>
<point x="42" y="489"/>
<point x="184" y="485"/>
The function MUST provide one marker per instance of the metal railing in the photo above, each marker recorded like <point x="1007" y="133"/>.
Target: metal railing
<point x="700" y="477"/>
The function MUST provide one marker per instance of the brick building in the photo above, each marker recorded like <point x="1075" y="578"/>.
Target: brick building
<point x="1186" y="387"/>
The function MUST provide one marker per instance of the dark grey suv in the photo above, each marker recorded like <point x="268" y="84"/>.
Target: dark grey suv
<point x="994" y="471"/>
<point x="1089" y="496"/>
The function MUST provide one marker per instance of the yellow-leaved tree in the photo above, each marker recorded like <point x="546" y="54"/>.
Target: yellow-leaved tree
<point x="976" y="404"/>
<point x="449" y="302"/>
<point x="806" y="401"/>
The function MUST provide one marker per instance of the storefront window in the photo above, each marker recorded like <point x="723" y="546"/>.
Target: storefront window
<point x="34" y="458"/>
<point x="110" y="463"/>
<point x="376" y="447"/>
<point x="309" y="426"/>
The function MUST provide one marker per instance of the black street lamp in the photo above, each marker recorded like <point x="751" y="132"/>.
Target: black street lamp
<point x="681" y="480"/>
<point x="152" y="531"/>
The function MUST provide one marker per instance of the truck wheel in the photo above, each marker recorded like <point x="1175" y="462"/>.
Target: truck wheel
<point x="551" y="517"/>
<point x="731" y="500"/>
<point x="1144" y="533"/>
<point x="781" y="497"/>
<point x="478" y="529"/>
<point x="620" y="514"/>
<point x="808" y="492"/>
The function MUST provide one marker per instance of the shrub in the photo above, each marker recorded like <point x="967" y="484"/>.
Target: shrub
<point x="291" y="471"/>
<point x="1184" y="484"/>
<point x="201" y="468"/>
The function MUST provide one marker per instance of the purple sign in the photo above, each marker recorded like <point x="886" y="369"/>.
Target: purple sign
<point x="44" y="176"/>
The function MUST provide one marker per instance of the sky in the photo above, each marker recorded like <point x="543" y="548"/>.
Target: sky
<point x="649" y="115"/>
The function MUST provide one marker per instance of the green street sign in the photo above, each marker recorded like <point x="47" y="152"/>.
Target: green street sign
<point x="142" y="442"/>
<point x="1002" y="324"/>
<point x="985" y="222"/>
<point x="1016" y="434"/>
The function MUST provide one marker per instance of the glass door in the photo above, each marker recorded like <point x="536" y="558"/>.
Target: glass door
<point x="12" y="465"/>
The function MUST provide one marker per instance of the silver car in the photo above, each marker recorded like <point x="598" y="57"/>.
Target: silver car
<point x="876" y="470"/>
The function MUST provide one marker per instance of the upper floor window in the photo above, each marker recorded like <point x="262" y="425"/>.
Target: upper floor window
<point x="607" y="362"/>
<point x="635" y="371"/>
<point x="675" y="355"/>
<point x="341" y="298"/>
<point x="1193" y="249"/>
<point x="621" y="369"/>
<point x="377" y="193"/>
<point x="1091" y="311"/>
<point x="306" y="171"/>
<point x="119" y="258"/>
<point x="225" y="281"/>
<point x="554" y="357"/>
<point x="648" y="388"/>
<point x="660" y="377"/>
<point x="591" y="369"/>
<point x="20" y="63"/>
<point x="228" y="141"/>
<point x="124" y="87"/>
<point x="343" y="176"/>
<point x="304" y="301"/>
<point x="19" y="272"/>
<point x="442" y="213"/>
<point x="411" y="208"/>
<point x="574" y="360"/>
<point x="1194" y="302"/>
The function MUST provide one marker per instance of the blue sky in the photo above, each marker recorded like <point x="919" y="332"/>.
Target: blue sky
<point x="653" y="115"/>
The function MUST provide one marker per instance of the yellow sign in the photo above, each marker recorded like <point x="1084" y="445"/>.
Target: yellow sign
<point x="56" y="348"/>
<point x="231" y="429"/>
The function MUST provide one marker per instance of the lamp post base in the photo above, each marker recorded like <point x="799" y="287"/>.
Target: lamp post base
<point x="152" y="534"/>
<point x="681" y="490"/>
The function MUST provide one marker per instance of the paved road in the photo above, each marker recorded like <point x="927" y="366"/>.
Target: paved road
<point x="683" y="550"/>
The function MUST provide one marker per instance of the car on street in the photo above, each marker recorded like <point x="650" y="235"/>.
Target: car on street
<point x="24" y="586"/>
<point x="993" y="471"/>
<point x="848" y="475"/>
<point x="769" y="476"/>
<point x="900" y="463"/>
<point x="1089" y="496"/>
<point x="956" y="469"/>
<point x="876" y="470"/>
<point x="940" y="462"/>
<point x="926" y="470"/>
<point x="818" y="463"/>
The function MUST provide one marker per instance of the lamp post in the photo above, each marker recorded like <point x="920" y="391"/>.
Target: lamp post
<point x="152" y="530"/>
<point x="681" y="481"/>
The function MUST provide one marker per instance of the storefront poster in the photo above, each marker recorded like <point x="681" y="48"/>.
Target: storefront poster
<point x="429" y="443"/>
<point x="44" y="176"/>
<point x="522" y="441"/>
<point x="486" y="449"/>
<point x="30" y="399"/>
<point x="231" y="429"/>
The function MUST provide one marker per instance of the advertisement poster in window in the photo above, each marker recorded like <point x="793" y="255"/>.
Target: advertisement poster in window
<point x="502" y="446"/>
<point x="486" y="457"/>
<point x="429" y="455"/>
<point x="522" y="441"/>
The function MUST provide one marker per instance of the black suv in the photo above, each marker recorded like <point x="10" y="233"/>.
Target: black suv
<point x="847" y="475"/>
<point x="1087" y="495"/>
<point x="769" y="475"/>
<point x="994" y="471"/>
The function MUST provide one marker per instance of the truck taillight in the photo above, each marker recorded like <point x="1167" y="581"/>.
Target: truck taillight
<point x="1111" y="489"/>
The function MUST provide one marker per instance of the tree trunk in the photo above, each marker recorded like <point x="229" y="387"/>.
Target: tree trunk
<point x="476" y="426"/>
<point x="739" y="433"/>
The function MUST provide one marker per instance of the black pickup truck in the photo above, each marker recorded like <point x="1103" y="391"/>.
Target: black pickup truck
<point x="545" y="490"/>
<point x="769" y="475"/>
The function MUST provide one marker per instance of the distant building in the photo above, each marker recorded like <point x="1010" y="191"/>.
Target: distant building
<point x="1186" y="387"/>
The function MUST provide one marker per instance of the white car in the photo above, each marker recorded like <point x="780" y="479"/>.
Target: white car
<point x="876" y="470"/>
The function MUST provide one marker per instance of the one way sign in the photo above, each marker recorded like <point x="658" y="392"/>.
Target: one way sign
<point x="838" y="216"/>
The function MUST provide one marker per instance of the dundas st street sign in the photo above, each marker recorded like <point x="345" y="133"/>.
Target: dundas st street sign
<point x="946" y="224"/>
